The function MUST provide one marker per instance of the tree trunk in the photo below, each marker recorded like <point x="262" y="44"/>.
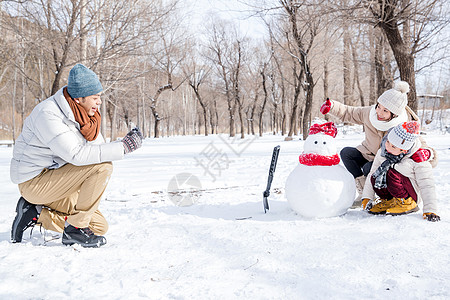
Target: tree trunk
<point x="14" y="106"/>
<point x="241" y="120"/>
<point x="22" y="112"/>
<point x="284" y="117"/>
<point x="308" y="104"/>
<point x="60" y="62"/>
<point x="261" y="112"/>
<point x="202" y="104"/>
<point x="98" y="46"/>
<point x="155" y="113"/>
<point x="114" y="123"/>
<point x="401" y="47"/>
<point x="356" y="73"/>
<point x="346" y="64"/>
<point x="372" y="75"/>
<point x="380" y="67"/>
<point x="275" y="119"/>
<point x="252" y="118"/>
<point x="217" y="116"/>
<point x="293" y="120"/>
<point x="83" y="39"/>
<point x="405" y="62"/>
<point x="325" y="82"/>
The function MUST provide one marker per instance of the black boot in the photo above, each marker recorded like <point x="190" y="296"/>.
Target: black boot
<point x="26" y="216"/>
<point x="82" y="236"/>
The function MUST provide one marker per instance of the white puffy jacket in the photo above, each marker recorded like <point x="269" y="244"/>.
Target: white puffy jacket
<point x="51" y="138"/>
<point x="420" y="174"/>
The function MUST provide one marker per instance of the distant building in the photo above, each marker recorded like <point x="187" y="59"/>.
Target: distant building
<point x="428" y="101"/>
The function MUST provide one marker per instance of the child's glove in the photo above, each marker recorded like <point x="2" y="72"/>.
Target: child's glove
<point x="421" y="155"/>
<point x="365" y="203"/>
<point x="326" y="106"/>
<point x="432" y="217"/>
<point x="133" y="140"/>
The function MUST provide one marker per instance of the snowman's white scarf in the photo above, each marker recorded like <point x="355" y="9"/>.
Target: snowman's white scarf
<point x="386" y="125"/>
<point x="314" y="159"/>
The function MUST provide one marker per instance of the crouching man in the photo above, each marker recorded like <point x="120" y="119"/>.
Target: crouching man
<point x="62" y="164"/>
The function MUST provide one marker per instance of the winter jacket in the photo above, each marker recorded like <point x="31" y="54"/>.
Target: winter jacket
<point x="51" y="138"/>
<point x="373" y="136"/>
<point x="420" y="174"/>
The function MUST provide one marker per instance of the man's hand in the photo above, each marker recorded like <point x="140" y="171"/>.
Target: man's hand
<point x="133" y="140"/>
<point x="421" y="155"/>
<point x="326" y="106"/>
<point x="432" y="217"/>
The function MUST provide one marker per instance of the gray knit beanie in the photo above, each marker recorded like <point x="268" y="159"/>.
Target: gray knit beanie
<point x="83" y="82"/>
<point x="404" y="135"/>
<point x="395" y="99"/>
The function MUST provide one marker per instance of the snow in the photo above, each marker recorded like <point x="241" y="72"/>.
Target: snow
<point x="224" y="246"/>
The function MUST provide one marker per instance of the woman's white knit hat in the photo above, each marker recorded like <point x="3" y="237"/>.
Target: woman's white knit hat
<point x="395" y="99"/>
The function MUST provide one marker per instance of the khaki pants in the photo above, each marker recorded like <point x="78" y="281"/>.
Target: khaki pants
<point x="70" y="191"/>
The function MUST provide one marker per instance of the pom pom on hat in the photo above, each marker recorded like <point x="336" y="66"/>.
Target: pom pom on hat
<point x="404" y="135"/>
<point x="402" y="87"/>
<point x="83" y="82"/>
<point x="395" y="99"/>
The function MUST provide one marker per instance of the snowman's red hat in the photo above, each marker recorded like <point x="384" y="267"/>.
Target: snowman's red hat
<point x="327" y="128"/>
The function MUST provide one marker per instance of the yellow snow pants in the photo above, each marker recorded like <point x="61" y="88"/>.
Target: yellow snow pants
<point x="70" y="193"/>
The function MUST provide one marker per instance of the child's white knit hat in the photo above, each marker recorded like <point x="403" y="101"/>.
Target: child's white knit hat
<point x="404" y="135"/>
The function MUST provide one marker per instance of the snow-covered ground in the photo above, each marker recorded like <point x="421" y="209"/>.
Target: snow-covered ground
<point x="224" y="246"/>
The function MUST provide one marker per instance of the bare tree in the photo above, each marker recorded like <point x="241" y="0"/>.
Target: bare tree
<point x="278" y="73"/>
<point x="235" y="78"/>
<point x="303" y="34"/>
<point x="356" y="67"/>
<point x="266" y="96"/>
<point x="196" y="77"/>
<point x="219" y="47"/>
<point x="409" y="26"/>
<point x="346" y="61"/>
<point x="167" y="56"/>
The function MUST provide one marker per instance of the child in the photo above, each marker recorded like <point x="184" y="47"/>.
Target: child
<point x="399" y="181"/>
<point x="390" y="110"/>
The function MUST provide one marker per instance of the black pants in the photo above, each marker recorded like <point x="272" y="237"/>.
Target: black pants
<point x="355" y="163"/>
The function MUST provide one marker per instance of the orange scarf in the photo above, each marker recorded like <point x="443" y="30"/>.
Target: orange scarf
<point x="89" y="126"/>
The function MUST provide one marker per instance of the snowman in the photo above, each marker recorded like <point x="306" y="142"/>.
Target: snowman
<point x="319" y="187"/>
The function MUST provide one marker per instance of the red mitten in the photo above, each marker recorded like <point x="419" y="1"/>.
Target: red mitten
<point x="326" y="106"/>
<point x="421" y="155"/>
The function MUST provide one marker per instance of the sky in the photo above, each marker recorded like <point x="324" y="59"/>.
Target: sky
<point x="232" y="10"/>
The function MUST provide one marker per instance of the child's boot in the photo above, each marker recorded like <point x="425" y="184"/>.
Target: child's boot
<point x="382" y="206"/>
<point x="403" y="206"/>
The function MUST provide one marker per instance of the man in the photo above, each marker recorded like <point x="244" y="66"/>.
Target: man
<point x="62" y="164"/>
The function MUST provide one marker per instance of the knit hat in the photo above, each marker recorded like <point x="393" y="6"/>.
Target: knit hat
<point x="404" y="135"/>
<point x="395" y="99"/>
<point x="83" y="82"/>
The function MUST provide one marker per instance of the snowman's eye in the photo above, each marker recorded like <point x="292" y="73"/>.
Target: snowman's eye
<point x="324" y="143"/>
<point x="315" y="142"/>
